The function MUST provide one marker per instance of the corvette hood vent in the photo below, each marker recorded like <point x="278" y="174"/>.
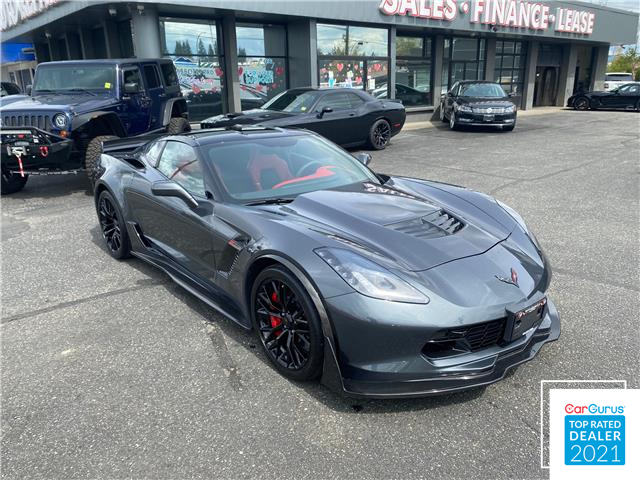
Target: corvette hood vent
<point x="433" y="225"/>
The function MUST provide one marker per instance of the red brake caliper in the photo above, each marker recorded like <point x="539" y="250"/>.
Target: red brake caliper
<point x="275" y="321"/>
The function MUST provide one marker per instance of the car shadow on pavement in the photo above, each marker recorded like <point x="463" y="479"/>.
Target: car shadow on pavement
<point x="247" y="339"/>
<point x="50" y="186"/>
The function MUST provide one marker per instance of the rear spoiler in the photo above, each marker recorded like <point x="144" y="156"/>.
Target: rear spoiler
<point x="128" y="144"/>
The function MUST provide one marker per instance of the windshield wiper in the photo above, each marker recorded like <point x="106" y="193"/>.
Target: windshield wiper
<point x="271" y="201"/>
<point x="78" y="89"/>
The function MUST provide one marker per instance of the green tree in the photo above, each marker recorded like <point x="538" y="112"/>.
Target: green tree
<point x="187" y="48"/>
<point x="628" y="61"/>
<point x="202" y="52"/>
<point x="211" y="54"/>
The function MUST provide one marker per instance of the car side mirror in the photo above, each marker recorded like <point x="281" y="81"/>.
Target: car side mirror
<point x="449" y="94"/>
<point x="363" y="157"/>
<point x="172" y="189"/>
<point x="131" y="87"/>
<point x="28" y="89"/>
<point x="325" y="110"/>
<point x="511" y="94"/>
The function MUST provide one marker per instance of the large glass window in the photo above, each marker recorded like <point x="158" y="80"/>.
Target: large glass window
<point x="464" y="59"/>
<point x="354" y="57"/>
<point x="262" y="66"/>
<point x="194" y="47"/>
<point x="510" y="64"/>
<point x="413" y="71"/>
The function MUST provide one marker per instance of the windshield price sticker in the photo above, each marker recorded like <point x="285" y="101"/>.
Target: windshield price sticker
<point x="594" y="439"/>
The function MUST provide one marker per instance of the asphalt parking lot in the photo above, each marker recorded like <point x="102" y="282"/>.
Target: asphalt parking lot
<point x="111" y="370"/>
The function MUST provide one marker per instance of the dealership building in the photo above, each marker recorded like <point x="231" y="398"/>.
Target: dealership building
<point x="233" y="54"/>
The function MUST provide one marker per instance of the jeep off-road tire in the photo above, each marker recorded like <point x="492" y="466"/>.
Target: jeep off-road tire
<point x="92" y="156"/>
<point x="178" y="125"/>
<point x="12" y="182"/>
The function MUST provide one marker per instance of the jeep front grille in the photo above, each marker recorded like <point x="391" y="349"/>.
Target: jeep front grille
<point x="43" y="122"/>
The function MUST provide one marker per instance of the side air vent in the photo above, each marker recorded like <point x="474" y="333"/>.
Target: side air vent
<point x="433" y="225"/>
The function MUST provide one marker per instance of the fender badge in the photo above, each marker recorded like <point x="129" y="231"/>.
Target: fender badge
<point x="512" y="281"/>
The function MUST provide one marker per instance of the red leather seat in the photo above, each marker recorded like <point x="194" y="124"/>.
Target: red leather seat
<point x="268" y="170"/>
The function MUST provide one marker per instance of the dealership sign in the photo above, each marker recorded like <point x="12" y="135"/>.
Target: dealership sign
<point x="505" y="13"/>
<point x="17" y="11"/>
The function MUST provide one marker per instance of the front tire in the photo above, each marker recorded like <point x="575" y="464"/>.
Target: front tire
<point x="581" y="103"/>
<point x="287" y="324"/>
<point x="92" y="156"/>
<point x="443" y="118"/>
<point x="112" y="226"/>
<point x="379" y="134"/>
<point x="12" y="182"/>
<point x="453" y="125"/>
<point x="178" y="125"/>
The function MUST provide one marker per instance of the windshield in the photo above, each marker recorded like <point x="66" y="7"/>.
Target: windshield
<point x="619" y="77"/>
<point x="265" y="168"/>
<point x="60" y="78"/>
<point x="292" y="101"/>
<point x="487" y="90"/>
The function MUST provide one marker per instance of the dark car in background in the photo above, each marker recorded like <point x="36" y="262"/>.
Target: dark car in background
<point x="381" y="286"/>
<point x="625" y="97"/>
<point x="478" y="103"/>
<point x="348" y="117"/>
<point x="74" y="106"/>
<point x="409" y="96"/>
<point x="9" y="88"/>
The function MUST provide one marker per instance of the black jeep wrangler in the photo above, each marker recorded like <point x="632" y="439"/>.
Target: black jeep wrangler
<point x="74" y="106"/>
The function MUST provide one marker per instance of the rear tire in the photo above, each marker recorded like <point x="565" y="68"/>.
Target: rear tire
<point x="379" y="134"/>
<point x="178" y="125"/>
<point x="581" y="103"/>
<point x="112" y="226"/>
<point x="287" y="324"/>
<point x="92" y="156"/>
<point x="12" y="182"/>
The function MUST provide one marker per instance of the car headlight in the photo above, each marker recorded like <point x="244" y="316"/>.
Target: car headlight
<point x="60" y="120"/>
<point x="520" y="221"/>
<point x="462" y="108"/>
<point x="510" y="109"/>
<point x="369" y="278"/>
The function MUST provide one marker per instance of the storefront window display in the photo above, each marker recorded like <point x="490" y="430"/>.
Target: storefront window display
<point x="262" y="63"/>
<point x="464" y="59"/>
<point x="353" y="57"/>
<point x="194" y="48"/>
<point x="510" y="64"/>
<point x="413" y="71"/>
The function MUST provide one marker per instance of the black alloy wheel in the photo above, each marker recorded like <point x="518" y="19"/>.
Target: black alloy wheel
<point x="581" y="103"/>
<point x="112" y="226"/>
<point x="287" y="324"/>
<point x="380" y="134"/>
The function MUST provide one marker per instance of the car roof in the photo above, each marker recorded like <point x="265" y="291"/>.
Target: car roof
<point x="476" y="81"/>
<point x="210" y="136"/>
<point x="108" y="61"/>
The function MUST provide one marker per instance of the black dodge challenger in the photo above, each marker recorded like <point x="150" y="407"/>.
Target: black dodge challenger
<point x="381" y="286"/>
<point x="625" y="96"/>
<point x="346" y="116"/>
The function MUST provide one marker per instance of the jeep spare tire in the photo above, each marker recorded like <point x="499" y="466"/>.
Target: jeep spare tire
<point x="178" y="125"/>
<point x="92" y="156"/>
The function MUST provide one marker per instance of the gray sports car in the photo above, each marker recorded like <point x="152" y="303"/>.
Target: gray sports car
<point x="381" y="286"/>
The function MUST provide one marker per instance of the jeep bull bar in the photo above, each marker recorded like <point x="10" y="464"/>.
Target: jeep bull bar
<point x="30" y="150"/>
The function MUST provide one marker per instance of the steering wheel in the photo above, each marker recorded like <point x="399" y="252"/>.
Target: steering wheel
<point x="308" y="169"/>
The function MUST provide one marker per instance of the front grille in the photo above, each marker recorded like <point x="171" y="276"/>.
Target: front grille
<point x="43" y="122"/>
<point x="435" y="224"/>
<point x="471" y="338"/>
<point x="489" y="110"/>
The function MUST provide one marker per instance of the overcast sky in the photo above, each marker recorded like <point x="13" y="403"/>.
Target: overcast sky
<point x="624" y="4"/>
